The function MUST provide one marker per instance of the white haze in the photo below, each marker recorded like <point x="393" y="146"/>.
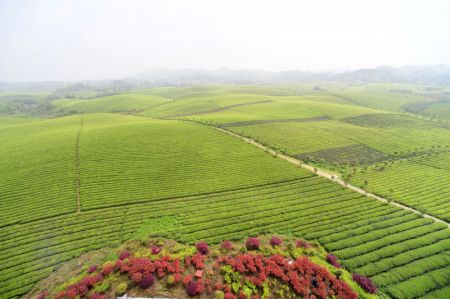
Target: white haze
<point x="96" y="39"/>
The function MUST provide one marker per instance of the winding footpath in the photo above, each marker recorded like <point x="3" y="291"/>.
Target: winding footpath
<point x="327" y="175"/>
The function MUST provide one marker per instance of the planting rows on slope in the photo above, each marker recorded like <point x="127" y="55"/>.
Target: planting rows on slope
<point x="421" y="182"/>
<point x="359" y="230"/>
<point x="37" y="177"/>
<point x="132" y="159"/>
<point x="128" y="102"/>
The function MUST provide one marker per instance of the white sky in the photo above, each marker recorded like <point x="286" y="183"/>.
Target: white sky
<point x="97" y="39"/>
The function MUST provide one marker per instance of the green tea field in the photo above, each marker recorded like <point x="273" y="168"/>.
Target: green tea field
<point x="151" y="163"/>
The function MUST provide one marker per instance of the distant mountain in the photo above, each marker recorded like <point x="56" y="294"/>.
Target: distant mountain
<point x="436" y="74"/>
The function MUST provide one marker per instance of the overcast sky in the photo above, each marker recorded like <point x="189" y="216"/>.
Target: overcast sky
<point x="96" y="39"/>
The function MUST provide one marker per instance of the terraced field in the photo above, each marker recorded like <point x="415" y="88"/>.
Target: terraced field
<point x="422" y="182"/>
<point x="360" y="231"/>
<point x="78" y="183"/>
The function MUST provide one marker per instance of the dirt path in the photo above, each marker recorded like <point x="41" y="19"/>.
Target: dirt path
<point x="327" y="175"/>
<point x="77" y="164"/>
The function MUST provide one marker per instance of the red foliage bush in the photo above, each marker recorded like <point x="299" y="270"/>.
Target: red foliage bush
<point x="136" y="277"/>
<point x="187" y="279"/>
<point x="229" y="295"/>
<point x="364" y="283"/>
<point x="252" y="243"/>
<point x="198" y="261"/>
<point x="302" y="244"/>
<point x="156" y="250"/>
<point x="332" y="260"/>
<point x="306" y="278"/>
<point x="275" y="241"/>
<point x="194" y="288"/>
<point x="108" y="269"/>
<point x="202" y="247"/>
<point x="124" y="254"/>
<point x="146" y="281"/>
<point x="92" y="269"/>
<point x="226" y="245"/>
<point x="97" y="296"/>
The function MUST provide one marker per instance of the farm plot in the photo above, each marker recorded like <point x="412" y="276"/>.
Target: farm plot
<point x="355" y="227"/>
<point x="413" y="183"/>
<point x="383" y="95"/>
<point x="126" y="159"/>
<point x="37" y="177"/>
<point x="348" y="155"/>
<point x="127" y="102"/>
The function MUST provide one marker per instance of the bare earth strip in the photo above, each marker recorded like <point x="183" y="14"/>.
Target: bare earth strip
<point x="327" y="175"/>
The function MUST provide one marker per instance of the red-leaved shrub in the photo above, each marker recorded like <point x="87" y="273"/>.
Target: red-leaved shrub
<point x="156" y="250"/>
<point x="226" y="245"/>
<point x="332" y="260"/>
<point x="187" y="279"/>
<point x="302" y="244"/>
<point x="252" y="243"/>
<point x="364" y="283"/>
<point x="193" y="288"/>
<point x="92" y="269"/>
<point x="146" y="281"/>
<point x="275" y="241"/>
<point x="124" y="254"/>
<point x="108" y="268"/>
<point x="229" y="295"/>
<point x="97" y="296"/>
<point x="202" y="247"/>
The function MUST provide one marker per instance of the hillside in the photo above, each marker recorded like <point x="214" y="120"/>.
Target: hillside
<point x="152" y="163"/>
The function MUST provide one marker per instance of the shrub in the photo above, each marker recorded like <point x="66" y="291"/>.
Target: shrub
<point x="102" y="287"/>
<point x="218" y="294"/>
<point x="136" y="277"/>
<point x="275" y="241"/>
<point x="229" y="295"/>
<point x="146" y="281"/>
<point x="252" y="243"/>
<point x="92" y="269"/>
<point x="302" y="244"/>
<point x="108" y="268"/>
<point x="242" y="295"/>
<point x="124" y="254"/>
<point x="226" y="245"/>
<point x="202" y="247"/>
<point x="156" y="250"/>
<point x="193" y="288"/>
<point x="364" y="283"/>
<point x="187" y="279"/>
<point x="97" y="296"/>
<point x="170" y="280"/>
<point x="332" y="260"/>
<point x="121" y="288"/>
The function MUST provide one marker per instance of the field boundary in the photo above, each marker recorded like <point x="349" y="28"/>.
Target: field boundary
<point x="77" y="164"/>
<point x="324" y="174"/>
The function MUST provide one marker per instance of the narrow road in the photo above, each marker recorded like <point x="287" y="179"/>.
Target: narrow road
<point x="327" y="175"/>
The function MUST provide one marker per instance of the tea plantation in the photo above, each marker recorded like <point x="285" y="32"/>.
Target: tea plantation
<point x="151" y="163"/>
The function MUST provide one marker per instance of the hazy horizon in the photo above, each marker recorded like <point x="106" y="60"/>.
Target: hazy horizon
<point x="65" y="40"/>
